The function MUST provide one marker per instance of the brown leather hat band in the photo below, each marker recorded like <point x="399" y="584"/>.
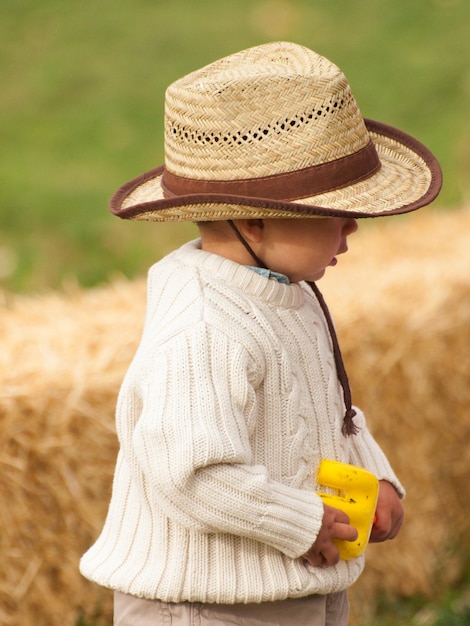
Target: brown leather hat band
<point x="289" y="186"/>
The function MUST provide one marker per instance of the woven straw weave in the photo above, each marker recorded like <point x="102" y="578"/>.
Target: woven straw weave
<point x="271" y="111"/>
<point x="235" y="123"/>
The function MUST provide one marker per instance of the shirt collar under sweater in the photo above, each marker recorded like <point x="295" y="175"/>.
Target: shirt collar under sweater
<point x="263" y="271"/>
<point x="238" y="276"/>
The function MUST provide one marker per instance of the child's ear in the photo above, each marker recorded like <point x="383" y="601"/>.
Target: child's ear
<point x="251" y="229"/>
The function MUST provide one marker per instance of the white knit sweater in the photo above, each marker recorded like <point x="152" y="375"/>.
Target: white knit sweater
<point x="230" y="403"/>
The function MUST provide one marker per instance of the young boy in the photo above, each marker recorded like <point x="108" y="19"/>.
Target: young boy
<point x="237" y="390"/>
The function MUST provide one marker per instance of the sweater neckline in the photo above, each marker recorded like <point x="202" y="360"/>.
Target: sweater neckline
<point x="240" y="277"/>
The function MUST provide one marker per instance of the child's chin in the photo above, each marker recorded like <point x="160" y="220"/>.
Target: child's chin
<point x="317" y="275"/>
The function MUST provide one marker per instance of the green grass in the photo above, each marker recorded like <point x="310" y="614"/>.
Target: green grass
<point x="452" y="610"/>
<point x="82" y="107"/>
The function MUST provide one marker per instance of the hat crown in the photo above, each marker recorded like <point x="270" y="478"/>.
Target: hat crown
<point x="268" y="110"/>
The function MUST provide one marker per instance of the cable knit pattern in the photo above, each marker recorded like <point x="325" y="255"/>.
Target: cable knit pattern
<point x="230" y="403"/>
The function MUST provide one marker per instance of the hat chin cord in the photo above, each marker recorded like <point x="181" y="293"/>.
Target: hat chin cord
<point x="348" y="427"/>
<point x="247" y="246"/>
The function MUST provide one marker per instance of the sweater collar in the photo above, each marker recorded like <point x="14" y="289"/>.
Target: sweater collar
<point x="240" y="277"/>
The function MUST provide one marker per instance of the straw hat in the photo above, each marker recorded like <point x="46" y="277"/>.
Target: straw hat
<point x="274" y="131"/>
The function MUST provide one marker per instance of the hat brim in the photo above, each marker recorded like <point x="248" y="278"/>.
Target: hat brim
<point x="409" y="178"/>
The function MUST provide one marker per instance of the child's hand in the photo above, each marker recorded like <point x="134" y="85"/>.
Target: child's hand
<point x="335" y="525"/>
<point x="389" y="514"/>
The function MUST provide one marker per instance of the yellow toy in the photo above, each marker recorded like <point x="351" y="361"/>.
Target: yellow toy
<point x="357" y="493"/>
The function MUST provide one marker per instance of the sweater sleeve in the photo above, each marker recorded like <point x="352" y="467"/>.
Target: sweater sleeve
<point x="365" y="452"/>
<point x="193" y="404"/>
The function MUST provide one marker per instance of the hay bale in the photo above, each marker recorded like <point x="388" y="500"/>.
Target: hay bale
<point x="62" y="360"/>
<point x="401" y="301"/>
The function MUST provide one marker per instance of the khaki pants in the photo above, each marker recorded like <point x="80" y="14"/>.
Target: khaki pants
<point x="330" y="610"/>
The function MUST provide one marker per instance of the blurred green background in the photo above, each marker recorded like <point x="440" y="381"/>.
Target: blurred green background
<point x="81" y="108"/>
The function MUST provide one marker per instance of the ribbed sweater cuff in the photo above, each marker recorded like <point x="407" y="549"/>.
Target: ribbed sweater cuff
<point x="293" y="521"/>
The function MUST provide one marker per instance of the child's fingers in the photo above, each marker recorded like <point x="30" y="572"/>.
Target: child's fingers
<point x="335" y="526"/>
<point x="389" y="514"/>
<point x="327" y="555"/>
<point x="385" y="528"/>
<point x="338" y="516"/>
<point x="341" y="528"/>
<point x="345" y="532"/>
